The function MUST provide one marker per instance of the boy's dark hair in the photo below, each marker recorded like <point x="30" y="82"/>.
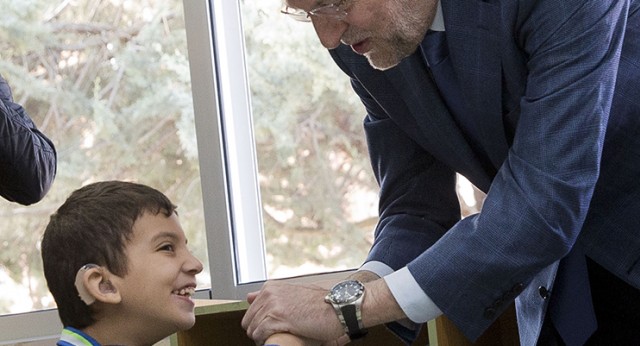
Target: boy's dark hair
<point x="93" y="226"/>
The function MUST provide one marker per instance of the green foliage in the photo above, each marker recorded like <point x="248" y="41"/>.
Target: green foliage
<point x="108" y="82"/>
<point x="312" y="153"/>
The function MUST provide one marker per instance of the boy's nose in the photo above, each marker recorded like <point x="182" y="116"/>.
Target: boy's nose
<point x="193" y="264"/>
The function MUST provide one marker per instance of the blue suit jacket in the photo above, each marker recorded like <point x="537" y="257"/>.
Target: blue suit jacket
<point x="27" y="157"/>
<point x="553" y="88"/>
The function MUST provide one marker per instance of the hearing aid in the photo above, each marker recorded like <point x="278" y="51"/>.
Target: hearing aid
<point x="83" y="293"/>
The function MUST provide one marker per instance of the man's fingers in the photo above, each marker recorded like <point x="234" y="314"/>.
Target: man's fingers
<point x="262" y="328"/>
<point x="343" y="340"/>
<point x="250" y="314"/>
<point x="251" y="296"/>
<point x="255" y="306"/>
<point x="264" y="316"/>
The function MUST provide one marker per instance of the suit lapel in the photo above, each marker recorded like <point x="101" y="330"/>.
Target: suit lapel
<point x="435" y="130"/>
<point x="473" y="36"/>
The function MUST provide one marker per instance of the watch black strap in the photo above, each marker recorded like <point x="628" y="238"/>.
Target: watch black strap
<point x="349" y="314"/>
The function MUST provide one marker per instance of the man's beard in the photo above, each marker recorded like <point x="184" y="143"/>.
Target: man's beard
<point x="401" y="36"/>
<point x="390" y="54"/>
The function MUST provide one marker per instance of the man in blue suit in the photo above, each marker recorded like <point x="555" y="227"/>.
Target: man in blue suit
<point x="537" y="103"/>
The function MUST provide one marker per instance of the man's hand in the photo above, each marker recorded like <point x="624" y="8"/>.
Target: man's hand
<point x="292" y="308"/>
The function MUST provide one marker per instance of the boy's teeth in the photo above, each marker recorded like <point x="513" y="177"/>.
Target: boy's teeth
<point x="184" y="292"/>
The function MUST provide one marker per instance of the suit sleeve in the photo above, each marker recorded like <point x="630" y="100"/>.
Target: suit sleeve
<point x="27" y="157"/>
<point x="539" y="199"/>
<point x="417" y="198"/>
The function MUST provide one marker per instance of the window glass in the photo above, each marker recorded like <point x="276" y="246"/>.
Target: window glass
<point x="317" y="190"/>
<point x="108" y="82"/>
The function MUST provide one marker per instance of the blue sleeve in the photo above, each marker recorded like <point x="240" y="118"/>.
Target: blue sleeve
<point x="27" y="157"/>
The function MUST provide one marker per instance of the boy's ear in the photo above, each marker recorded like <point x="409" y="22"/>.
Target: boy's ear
<point x="93" y="283"/>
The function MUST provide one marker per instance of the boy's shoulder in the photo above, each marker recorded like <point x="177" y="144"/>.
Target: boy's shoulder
<point x="74" y="337"/>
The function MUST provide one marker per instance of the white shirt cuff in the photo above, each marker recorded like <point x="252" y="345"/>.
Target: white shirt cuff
<point x="378" y="268"/>
<point x="418" y="307"/>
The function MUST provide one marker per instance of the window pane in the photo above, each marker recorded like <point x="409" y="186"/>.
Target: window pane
<point x="108" y="82"/>
<point x="319" y="197"/>
<point x="318" y="193"/>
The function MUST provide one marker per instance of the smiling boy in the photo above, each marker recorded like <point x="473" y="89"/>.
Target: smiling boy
<point x="117" y="263"/>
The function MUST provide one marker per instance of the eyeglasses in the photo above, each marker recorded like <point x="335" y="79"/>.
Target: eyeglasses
<point x="336" y="10"/>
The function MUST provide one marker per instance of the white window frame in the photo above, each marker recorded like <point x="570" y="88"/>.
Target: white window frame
<point x="234" y="167"/>
<point x="228" y="164"/>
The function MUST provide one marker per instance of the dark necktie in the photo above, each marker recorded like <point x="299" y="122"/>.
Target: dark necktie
<point x="436" y="54"/>
<point x="571" y="305"/>
<point x="435" y="51"/>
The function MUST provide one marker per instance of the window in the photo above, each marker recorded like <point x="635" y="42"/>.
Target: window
<point x="108" y="82"/>
<point x="316" y="191"/>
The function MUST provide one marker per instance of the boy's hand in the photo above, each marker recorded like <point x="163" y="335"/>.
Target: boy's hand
<point x="286" y="339"/>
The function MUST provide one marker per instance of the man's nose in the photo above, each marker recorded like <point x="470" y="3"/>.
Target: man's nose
<point x="329" y="31"/>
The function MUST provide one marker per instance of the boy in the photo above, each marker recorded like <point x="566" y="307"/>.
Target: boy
<point x="116" y="261"/>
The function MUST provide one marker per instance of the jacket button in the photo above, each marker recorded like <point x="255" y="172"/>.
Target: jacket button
<point x="544" y="292"/>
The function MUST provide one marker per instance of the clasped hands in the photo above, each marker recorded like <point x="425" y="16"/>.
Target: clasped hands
<point x="292" y="314"/>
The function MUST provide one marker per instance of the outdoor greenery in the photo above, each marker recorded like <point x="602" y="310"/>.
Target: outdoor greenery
<point x="108" y="82"/>
<point x="313" y="163"/>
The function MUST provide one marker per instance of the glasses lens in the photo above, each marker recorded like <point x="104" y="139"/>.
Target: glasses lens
<point x="331" y="11"/>
<point x="295" y="13"/>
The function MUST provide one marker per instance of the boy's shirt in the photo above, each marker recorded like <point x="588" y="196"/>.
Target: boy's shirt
<point x="74" y="337"/>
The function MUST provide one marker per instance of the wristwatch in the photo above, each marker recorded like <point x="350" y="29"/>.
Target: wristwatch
<point x="346" y="298"/>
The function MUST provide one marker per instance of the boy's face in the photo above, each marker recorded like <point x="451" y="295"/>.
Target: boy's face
<point x="161" y="276"/>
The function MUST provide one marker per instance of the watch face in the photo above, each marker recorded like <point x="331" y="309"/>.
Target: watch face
<point x="346" y="292"/>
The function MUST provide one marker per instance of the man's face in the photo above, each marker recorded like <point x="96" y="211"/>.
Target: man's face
<point x="156" y="291"/>
<point x="384" y="31"/>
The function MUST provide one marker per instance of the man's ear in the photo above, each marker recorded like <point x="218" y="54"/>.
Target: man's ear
<point x="97" y="285"/>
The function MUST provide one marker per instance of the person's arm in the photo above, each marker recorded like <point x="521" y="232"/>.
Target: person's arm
<point x="539" y="199"/>
<point x="418" y="203"/>
<point x="27" y="157"/>
<point x="286" y="339"/>
<point x="415" y="304"/>
<point x="300" y="309"/>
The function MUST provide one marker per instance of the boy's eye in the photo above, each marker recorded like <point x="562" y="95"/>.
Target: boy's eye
<point x="167" y="247"/>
